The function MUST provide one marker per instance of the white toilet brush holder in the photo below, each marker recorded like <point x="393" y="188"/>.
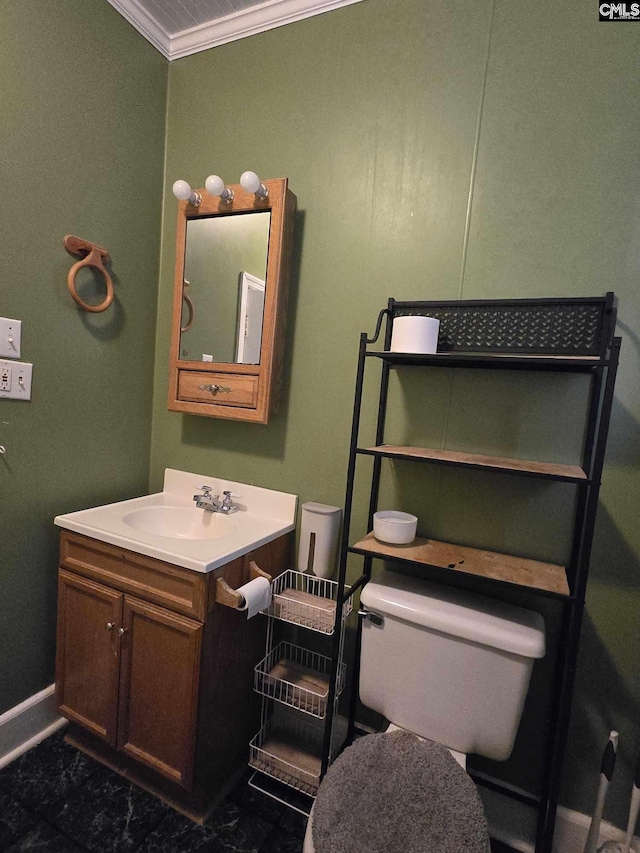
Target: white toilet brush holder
<point x="606" y="774"/>
<point x="319" y="529"/>
<point x="627" y="845"/>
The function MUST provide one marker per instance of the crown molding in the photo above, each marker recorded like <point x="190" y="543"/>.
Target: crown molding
<point x="238" y="25"/>
<point x="145" y="24"/>
<point x="249" y="22"/>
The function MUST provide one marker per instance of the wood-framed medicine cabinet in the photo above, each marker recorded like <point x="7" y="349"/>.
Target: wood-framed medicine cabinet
<point x="230" y="303"/>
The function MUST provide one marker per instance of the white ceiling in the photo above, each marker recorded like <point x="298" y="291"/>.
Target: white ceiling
<point x="180" y="27"/>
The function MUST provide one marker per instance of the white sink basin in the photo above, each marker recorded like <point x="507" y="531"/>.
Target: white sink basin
<point x="167" y="525"/>
<point x="179" y="522"/>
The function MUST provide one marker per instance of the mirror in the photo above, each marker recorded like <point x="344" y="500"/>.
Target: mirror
<point x="229" y="312"/>
<point x="225" y="271"/>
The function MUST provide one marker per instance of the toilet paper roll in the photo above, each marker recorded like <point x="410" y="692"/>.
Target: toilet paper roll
<point x="257" y="596"/>
<point x="415" y="334"/>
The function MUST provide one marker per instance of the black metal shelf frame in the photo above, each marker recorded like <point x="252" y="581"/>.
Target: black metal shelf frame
<point x="578" y="364"/>
<point x="556" y="335"/>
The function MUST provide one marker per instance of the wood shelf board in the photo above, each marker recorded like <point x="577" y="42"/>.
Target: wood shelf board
<point x="300" y="676"/>
<point x="572" y="473"/>
<point x="307" y="598"/>
<point x="289" y="759"/>
<point x="303" y="608"/>
<point x="294" y="778"/>
<point x="283" y="746"/>
<point x="460" y="558"/>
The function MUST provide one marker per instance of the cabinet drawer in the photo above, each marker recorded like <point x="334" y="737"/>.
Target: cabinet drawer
<point x="178" y="589"/>
<point x="234" y="389"/>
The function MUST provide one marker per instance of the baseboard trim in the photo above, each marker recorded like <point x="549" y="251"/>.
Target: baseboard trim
<point x="30" y="722"/>
<point x="572" y="829"/>
<point x="514" y="824"/>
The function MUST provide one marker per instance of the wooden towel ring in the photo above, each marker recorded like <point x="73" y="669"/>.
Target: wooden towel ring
<point x="95" y="257"/>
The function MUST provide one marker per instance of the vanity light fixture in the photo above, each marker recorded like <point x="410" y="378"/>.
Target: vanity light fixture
<point x="215" y="186"/>
<point x="251" y="183"/>
<point x="183" y="192"/>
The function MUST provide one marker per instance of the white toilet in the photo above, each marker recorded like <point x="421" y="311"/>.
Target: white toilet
<point x="446" y="665"/>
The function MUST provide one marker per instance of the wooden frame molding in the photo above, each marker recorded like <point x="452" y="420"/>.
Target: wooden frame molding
<point x="244" y="392"/>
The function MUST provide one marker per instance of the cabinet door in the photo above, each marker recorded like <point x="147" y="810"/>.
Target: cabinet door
<point x="87" y="658"/>
<point x="159" y="676"/>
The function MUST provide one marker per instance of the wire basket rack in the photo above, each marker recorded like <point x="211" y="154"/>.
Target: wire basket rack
<point x="307" y="601"/>
<point x="297" y="677"/>
<point x="290" y="751"/>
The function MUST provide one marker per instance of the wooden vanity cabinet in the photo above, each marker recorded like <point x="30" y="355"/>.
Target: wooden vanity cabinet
<point x="153" y="668"/>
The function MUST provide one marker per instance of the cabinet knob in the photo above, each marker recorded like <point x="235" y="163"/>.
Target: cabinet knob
<point x="121" y="631"/>
<point x="223" y="389"/>
<point x="109" y="626"/>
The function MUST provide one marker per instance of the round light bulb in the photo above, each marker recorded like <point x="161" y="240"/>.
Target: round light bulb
<point x="182" y="190"/>
<point x="214" y="185"/>
<point x="250" y="182"/>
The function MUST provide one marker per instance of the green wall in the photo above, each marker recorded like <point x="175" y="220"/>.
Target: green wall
<point x="439" y="150"/>
<point x="82" y="99"/>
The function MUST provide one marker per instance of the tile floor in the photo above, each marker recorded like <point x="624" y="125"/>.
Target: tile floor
<point x="55" y="799"/>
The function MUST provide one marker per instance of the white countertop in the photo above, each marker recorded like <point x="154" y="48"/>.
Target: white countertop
<point x="263" y="515"/>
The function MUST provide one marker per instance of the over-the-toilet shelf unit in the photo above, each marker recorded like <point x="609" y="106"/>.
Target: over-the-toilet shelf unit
<point x="294" y="683"/>
<point x="545" y="335"/>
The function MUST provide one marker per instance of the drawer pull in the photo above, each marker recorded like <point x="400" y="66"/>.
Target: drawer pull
<point x="121" y="631"/>
<point x="225" y="389"/>
<point x="109" y="626"/>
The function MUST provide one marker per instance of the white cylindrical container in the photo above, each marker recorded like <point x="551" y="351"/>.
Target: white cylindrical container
<point x="396" y="528"/>
<point x="415" y="334"/>
<point x="319" y="528"/>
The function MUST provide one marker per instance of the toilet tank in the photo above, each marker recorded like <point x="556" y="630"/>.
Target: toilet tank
<point x="446" y="664"/>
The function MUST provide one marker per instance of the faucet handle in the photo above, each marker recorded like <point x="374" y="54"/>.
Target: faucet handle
<point x="227" y="504"/>
<point x="205" y="498"/>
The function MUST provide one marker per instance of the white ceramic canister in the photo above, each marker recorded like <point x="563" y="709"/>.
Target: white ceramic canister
<point x="319" y="529"/>
<point x="415" y="334"/>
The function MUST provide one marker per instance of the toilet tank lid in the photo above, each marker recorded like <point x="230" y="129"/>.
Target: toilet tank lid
<point x="321" y="509"/>
<point x="458" y="613"/>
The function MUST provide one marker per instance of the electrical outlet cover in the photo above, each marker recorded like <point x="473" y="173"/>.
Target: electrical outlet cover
<point x="10" y="337"/>
<point x="18" y="380"/>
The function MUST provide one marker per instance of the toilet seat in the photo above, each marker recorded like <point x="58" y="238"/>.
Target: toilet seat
<point x="460" y="757"/>
<point x="393" y="791"/>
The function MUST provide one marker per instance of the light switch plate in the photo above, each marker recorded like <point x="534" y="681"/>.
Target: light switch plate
<point x="15" y="380"/>
<point x="10" y="337"/>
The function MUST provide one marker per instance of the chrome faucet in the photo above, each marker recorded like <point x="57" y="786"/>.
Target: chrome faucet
<point x="212" y="503"/>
